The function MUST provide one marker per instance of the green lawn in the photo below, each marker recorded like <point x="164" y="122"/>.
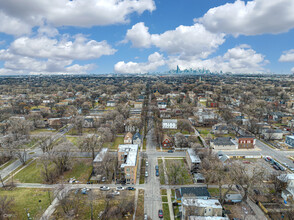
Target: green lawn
<point x="73" y="140"/>
<point x="213" y="191"/>
<point x="37" y="131"/>
<point x="164" y="198"/>
<point x="36" y="201"/>
<point x="166" y="215"/>
<point x="117" y="141"/>
<point x="161" y="173"/>
<point x="81" y="170"/>
<point x="163" y="192"/>
<point x="144" y="144"/>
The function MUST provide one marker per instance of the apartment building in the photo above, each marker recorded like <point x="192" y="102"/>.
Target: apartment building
<point x="128" y="158"/>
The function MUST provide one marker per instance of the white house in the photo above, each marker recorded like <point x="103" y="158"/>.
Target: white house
<point x="169" y="123"/>
<point x="111" y="103"/>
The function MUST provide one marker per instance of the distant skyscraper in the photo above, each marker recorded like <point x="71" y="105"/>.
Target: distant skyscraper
<point x="178" y="69"/>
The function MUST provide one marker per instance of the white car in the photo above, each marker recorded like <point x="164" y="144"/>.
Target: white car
<point x="119" y="188"/>
<point x="147" y="163"/>
<point x="291" y="168"/>
<point x="146" y="174"/>
<point x="104" y="188"/>
<point x="116" y="193"/>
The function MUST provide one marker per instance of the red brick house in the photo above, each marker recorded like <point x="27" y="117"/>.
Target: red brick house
<point x="246" y="142"/>
<point x="166" y="141"/>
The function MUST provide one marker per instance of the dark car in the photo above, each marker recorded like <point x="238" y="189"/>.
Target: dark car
<point x="157" y="173"/>
<point x="130" y="188"/>
<point x="160" y="213"/>
<point x="170" y="151"/>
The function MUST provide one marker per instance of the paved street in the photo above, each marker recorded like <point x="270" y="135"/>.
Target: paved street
<point x="152" y="197"/>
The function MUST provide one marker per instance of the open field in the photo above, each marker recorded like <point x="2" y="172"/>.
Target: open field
<point x="99" y="203"/>
<point x="81" y="170"/>
<point x="33" y="201"/>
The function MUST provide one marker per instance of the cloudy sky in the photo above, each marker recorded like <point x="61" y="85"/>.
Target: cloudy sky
<point x="138" y="36"/>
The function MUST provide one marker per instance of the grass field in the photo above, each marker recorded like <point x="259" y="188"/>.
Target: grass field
<point x="144" y="144"/>
<point x="140" y="205"/>
<point x="42" y="130"/>
<point x="161" y="172"/>
<point x="166" y="215"/>
<point x="73" y="140"/>
<point x="81" y="170"/>
<point x="35" y="201"/>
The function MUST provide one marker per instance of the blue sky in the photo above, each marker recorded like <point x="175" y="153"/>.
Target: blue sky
<point x="138" y="36"/>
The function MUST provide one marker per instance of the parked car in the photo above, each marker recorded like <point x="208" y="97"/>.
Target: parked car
<point x="145" y="216"/>
<point x="156" y="167"/>
<point x="118" y="188"/>
<point x="130" y="188"/>
<point x="276" y="167"/>
<point x="104" y="188"/>
<point x="291" y="168"/>
<point x="160" y="213"/>
<point x="157" y="173"/>
<point x="146" y="163"/>
<point x="170" y="151"/>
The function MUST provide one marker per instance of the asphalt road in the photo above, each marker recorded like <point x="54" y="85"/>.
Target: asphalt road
<point x="152" y="197"/>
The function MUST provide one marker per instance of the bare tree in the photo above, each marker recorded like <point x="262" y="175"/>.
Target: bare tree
<point x="109" y="165"/>
<point x="61" y="157"/>
<point x="45" y="143"/>
<point x="78" y="123"/>
<point x="279" y="182"/>
<point x="174" y="172"/>
<point x="181" y="141"/>
<point x="245" y="178"/>
<point x="6" y="206"/>
<point x="48" y="173"/>
<point x="90" y="143"/>
<point x="69" y="203"/>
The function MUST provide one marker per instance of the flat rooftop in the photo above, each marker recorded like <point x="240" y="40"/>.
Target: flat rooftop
<point x="131" y="151"/>
<point x="212" y="203"/>
<point x="194" y="158"/>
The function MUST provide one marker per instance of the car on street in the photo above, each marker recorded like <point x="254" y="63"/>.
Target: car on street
<point x="104" y="188"/>
<point x="146" y="163"/>
<point x="146" y="174"/>
<point x="160" y="213"/>
<point x="291" y="168"/>
<point x="170" y="151"/>
<point x="118" y="188"/>
<point x="145" y="216"/>
<point x="157" y="173"/>
<point x="130" y="188"/>
<point x="156" y="167"/>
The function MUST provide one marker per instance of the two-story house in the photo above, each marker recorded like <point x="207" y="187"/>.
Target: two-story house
<point x="128" y="139"/>
<point x="169" y="123"/>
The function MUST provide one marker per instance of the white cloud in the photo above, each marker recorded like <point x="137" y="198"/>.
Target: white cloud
<point x="241" y="59"/>
<point x="44" y="47"/>
<point x="251" y="18"/>
<point x="287" y="56"/>
<point x="155" y="60"/>
<point x="184" y="40"/>
<point x="41" y="54"/>
<point x="18" y="16"/>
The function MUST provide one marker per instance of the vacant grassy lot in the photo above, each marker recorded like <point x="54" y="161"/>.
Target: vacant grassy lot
<point x="81" y="170"/>
<point x="186" y="176"/>
<point x="73" y="140"/>
<point x="161" y="172"/>
<point x="7" y="163"/>
<point x="99" y="203"/>
<point x="117" y="141"/>
<point x="35" y="201"/>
